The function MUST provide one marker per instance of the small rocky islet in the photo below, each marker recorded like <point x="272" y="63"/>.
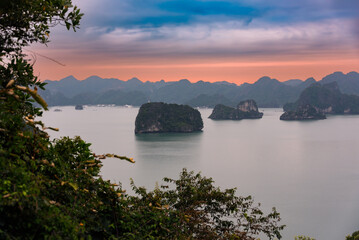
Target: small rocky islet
<point x="159" y="117"/>
<point x="245" y="110"/>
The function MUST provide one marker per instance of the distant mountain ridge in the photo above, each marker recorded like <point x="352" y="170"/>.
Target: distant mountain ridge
<point x="267" y="92"/>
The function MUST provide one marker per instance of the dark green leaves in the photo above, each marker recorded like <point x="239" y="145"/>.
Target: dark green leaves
<point x="26" y="21"/>
<point x="199" y="210"/>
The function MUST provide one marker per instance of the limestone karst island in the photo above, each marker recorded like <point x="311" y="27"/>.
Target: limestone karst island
<point x="161" y="117"/>
<point x="245" y="110"/>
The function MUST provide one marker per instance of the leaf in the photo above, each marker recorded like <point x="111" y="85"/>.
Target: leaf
<point x="6" y="195"/>
<point x="74" y="186"/>
<point x="90" y="161"/>
<point x="37" y="98"/>
<point x="10" y="83"/>
<point x="54" y="129"/>
<point x="34" y="95"/>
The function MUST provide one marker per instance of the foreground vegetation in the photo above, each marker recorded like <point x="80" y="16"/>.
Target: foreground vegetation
<point x="353" y="236"/>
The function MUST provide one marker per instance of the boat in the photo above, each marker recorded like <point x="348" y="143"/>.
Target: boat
<point x="57" y="110"/>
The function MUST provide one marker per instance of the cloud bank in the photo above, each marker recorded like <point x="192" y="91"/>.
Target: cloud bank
<point x="175" y="32"/>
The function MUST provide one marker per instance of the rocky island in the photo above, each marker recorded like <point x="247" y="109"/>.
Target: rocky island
<point x="317" y="100"/>
<point x="306" y="112"/>
<point x="245" y="110"/>
<point x="159" y="117"/>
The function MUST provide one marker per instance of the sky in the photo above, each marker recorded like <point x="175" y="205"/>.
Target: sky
<point x="211" y="40"/>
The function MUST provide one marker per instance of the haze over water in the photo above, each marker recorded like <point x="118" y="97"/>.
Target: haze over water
<point x="308" y="170"/>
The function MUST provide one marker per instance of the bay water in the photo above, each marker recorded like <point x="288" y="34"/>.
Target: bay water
<point x="308" y="170"/>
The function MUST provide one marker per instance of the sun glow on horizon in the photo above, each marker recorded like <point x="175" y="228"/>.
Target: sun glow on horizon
<point x="240" y="43"/>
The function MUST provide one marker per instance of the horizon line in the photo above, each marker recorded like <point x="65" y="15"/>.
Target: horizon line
<point x="264" y="76"/>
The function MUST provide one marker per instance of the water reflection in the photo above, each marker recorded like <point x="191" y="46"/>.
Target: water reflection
<point x="168" y="146"/>
<point x="168" y="137"/>
<point x="164" y="155"/>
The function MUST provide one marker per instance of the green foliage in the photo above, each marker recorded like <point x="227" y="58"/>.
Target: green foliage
<point x="354" y="236"/>
<point x="56" y="192"/>
<point x="27" y="21"/>
<point x="200" y="210"/>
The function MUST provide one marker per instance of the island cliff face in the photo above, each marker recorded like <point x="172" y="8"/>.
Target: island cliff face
<point x="160" y="117"/>
<point x="245" y="110"/>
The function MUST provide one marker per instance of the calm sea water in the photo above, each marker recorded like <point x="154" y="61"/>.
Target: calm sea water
<point x="308" y="170"/>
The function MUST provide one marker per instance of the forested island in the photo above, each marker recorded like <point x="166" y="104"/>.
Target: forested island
<point x="160" y="117"/>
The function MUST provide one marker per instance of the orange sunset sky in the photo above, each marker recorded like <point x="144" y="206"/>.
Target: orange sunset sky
<point x="234" y="41"/>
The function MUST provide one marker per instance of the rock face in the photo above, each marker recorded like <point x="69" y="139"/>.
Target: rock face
<point x="305" y="112"/>
<point x="245" y="110"/>
<point x="158" y="117"/>
<point x="248" y="106"/>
